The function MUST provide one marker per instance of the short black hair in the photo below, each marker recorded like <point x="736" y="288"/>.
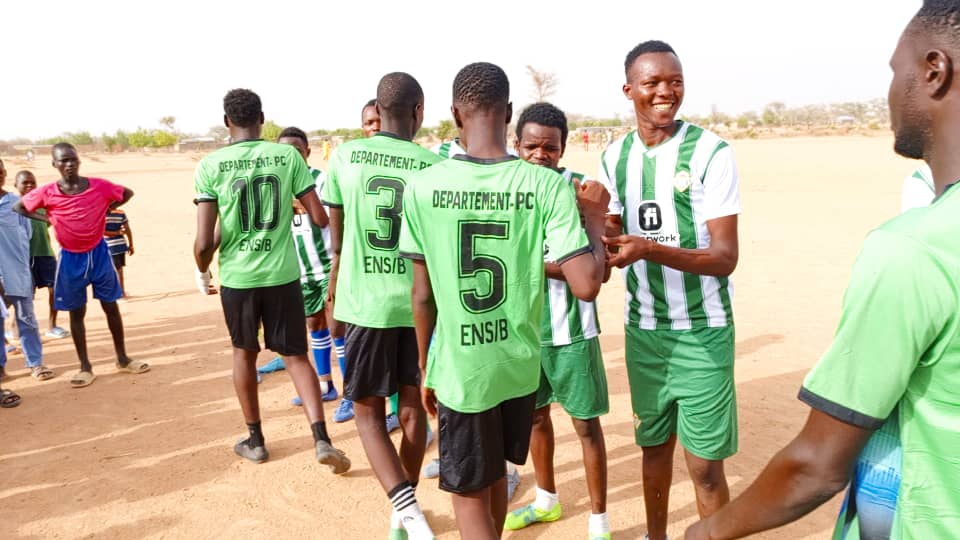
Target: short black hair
<point x="545" y="114"/>
<point x="398" y="93"/>
<point x="242" y="107"/>
<point x="61" y="146"/>
<point x="940" y="17"/>
<point x="647" y="47"/>
<point x="481" y="84"/>
<point x="369" y="103"/>
<point x="24" y="172"/>
<point x="294" y="132"/>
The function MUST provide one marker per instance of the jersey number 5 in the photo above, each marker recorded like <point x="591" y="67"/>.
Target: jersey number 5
<point x="390" y="214"/>
<point x="472" y="264"/>
<point x="263" y="219"/>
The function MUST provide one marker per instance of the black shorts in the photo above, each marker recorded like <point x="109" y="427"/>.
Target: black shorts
<point x="119" y="260"/>
<point x="381" y="360"/>
<point x="278" y="308"/>
<point x="473" y="447"/>
<point x="44" y="270"/>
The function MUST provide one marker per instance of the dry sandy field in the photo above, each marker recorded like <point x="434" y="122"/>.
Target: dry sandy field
<point x="149" y="456"/>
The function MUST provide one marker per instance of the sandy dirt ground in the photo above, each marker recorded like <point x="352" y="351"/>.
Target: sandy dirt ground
<point x="150" y="456"/>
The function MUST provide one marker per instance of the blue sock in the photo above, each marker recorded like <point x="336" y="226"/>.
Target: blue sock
<point x="320" y="344"/>
<point x="341" y="354"/>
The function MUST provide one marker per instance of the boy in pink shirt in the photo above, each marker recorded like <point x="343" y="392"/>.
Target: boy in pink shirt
<point x="76" y="206"/>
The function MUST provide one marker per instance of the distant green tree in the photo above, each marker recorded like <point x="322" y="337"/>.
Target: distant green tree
<point x="79" y="138"/>
<point x="168" y="122"/>
<point x="140" y="138"/>
<point x="773" y="114"/>
<point x="446" y="130"/>
<point x="109" y="141"/>
<point x="121" y="139"/>
<point x="162" y="139"/>
<point x="270" y="131"/>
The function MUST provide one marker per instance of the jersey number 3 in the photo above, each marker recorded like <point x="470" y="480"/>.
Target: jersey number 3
<point x="390" y="213"/>
<point x="472" y="264"/>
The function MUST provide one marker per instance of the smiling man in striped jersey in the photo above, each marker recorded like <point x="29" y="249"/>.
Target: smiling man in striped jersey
<point x="571" y="371"/>
<point x="673" y="228"/>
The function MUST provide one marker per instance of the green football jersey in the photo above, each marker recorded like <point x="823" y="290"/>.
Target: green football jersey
<point x="894" y="366"/>
<point x="40" y="241"/>
<point x="367" y="178"/>
<point x="481" y="227"/>
<point x="314" y="249"/>
<point x="566" y="319"/>
<point x="253" y="184"/>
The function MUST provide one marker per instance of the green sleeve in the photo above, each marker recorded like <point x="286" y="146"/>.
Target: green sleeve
<point x="202" y="184"/>
<point x="331" y="187"/>
<point x="410" y="244"/>
<point x="303" y="181"/>
<point x="562" y="231"/>
<point x="898" y="301"/>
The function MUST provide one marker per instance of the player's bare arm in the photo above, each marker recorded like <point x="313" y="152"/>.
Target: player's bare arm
<point x="719" y="259"/>
<point x="585" y="273"/>
<point x="805" y="474"/>
<point x="128" y="232"/>
<point x="205" y="245"/>
<point x="336" y="241"/>
<point x="18" y="208"/>
<point x="318" y="215"/>
<point x="424" y="321"/>
<point x="127" y="195"/>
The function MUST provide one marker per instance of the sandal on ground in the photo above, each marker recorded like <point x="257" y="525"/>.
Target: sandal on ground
<point x="41" y="373"/>
<point x="134" y="366"/>
<point x="81" y="379"/>
<point x="9" y="399"/>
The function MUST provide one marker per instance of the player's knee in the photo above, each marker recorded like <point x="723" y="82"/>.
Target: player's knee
<point x="708" y="475"/>
<point x="588" y="430"/>
<point x="541" y="419"/>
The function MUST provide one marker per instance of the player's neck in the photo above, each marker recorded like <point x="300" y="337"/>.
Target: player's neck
<point x="240" y="134"/>
<point x="486" y="142"/>
<point x="653" y="135"/>
<point x="398" y="130"/>
<point x="942" y="156"/>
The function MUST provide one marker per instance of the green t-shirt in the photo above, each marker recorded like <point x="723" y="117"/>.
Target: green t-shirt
<point x="253" y="184"/>
<point x="367" y="178"/>
<point x="897" y="351"/>
<point x="40" y="240"/>
<point x="481" y="227"/>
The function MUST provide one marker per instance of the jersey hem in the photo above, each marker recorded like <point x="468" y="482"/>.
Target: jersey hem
<point x="844" y="414"/>
<point x="331" y="205"/>
<point x="575" y="253"/>
<point x="477" y="410"/>
<point x="412" y="255"/>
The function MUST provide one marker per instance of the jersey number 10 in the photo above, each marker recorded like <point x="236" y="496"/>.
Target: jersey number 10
<point x="264" y="219"/>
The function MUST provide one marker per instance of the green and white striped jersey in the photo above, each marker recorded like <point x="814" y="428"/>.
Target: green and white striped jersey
<point x="566" y="319"/>
<point x="667" y="194"/>
<point x="453" y="148"/>
<point x="448" y="149"/>
<point x="312" y="243"/>
<point x="918" y="190"/>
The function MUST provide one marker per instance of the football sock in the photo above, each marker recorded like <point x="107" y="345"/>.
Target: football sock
<point x="320" y="432"/>
<point x="256" y="435"/>
<point x="320" y="344"/>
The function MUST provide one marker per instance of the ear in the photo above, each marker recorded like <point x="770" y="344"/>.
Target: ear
<point x="226" y="121"/>
<point x="456" y="116"/>
<point x="261" y="118"/>
<point x="509" y="112"/>
<point x="938" y="73"/>
<point x="626" y="91"/>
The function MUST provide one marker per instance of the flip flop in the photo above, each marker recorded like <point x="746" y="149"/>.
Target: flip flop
<point x="9" y="399"/>
<point x="135" y="366"/>
<point x="41" y="373"/>
<point x="274" y="365"/>
<point x="81" y="379"/>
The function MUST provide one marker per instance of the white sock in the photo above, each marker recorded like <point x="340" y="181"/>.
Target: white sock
<point x="545" y="500"/>
<point x="510" y="467"/>
<point x="324" y="387"/>
<point x="599" y="523"/>
<point x="408" y="511"/>
<point x="396" y="522"/>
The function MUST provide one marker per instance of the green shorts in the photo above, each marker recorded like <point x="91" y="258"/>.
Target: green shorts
<point x="573" y="376"/>
<point x="314" y="296"/>
<point x="681" y="381"/>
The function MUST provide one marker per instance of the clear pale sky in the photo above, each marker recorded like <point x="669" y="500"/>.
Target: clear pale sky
<point x="100" y="65"/>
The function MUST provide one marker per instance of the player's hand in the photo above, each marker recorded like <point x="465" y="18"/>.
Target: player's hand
<point x="130" y="249"/>
<point x="428" y="397"/>
<point x="204" y="280"/>
<point x="697" y="531"/>
<point x="629" y="249"/>
<point x="592" y="198"/>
